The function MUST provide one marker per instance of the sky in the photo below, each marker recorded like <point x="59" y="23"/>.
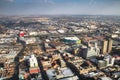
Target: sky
<point x="59" y="7"/>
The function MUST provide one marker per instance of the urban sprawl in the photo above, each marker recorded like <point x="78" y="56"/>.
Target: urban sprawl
<point x="73" y="47"/>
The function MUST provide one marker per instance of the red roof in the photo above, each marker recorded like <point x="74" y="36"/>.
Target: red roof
<point x="34" y="70"/>
<point x="22" y="34"/>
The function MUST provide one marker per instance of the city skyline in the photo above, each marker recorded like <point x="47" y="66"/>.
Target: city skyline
<point x="59" y="7"/>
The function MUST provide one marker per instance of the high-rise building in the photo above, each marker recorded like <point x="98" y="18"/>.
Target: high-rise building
<point x="91" y="51"/>
<point x="109" y="47"/>
<point x="106" y="46"/>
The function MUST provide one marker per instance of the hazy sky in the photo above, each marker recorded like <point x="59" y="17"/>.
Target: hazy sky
<point x="34" y="7"/>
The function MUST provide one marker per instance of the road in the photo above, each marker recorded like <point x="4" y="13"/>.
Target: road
<point x="16" y="60"/>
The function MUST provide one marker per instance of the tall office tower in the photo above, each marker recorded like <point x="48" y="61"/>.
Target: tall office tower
<point x="104" y="46"/>
<point x="109" y="47"/>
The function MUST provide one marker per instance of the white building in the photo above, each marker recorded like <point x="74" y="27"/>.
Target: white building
<point x="91" y="51"/>
<point x="61" y="31"/>
<point x="33" y="61"/>
<point x="109" y="60"/>
<point x="62" y="74"/>
<point x="92" y="27"/>
<point x="114" y="35"/>
<point x="30" y="40"/>
<point x="33" y="33"/>
<point x="72" y="40"/>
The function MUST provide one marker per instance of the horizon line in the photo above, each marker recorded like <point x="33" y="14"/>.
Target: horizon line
<point x="61" y="15"/>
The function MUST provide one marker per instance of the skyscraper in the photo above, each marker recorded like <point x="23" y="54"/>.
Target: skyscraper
<point x="109" y="47"/>
<point x="106" y="46"/>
